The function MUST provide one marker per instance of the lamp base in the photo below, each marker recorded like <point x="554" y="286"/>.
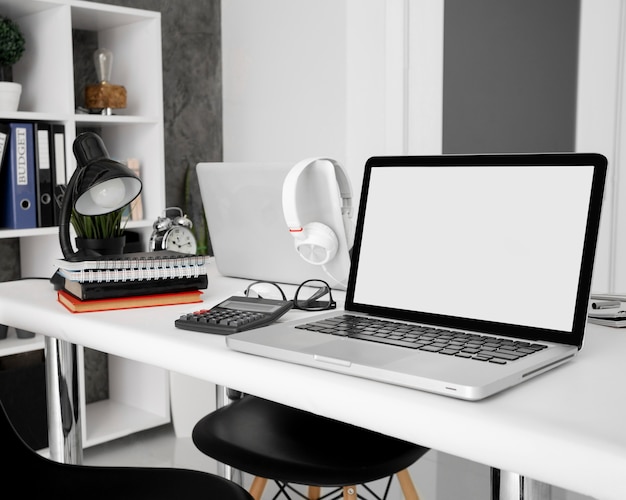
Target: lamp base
<point x="105" y="96"/>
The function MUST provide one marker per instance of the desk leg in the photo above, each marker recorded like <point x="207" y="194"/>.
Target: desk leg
<point x="511" y="486"/>
<point x="64" y="418"/>
<point x="225" y="396"/>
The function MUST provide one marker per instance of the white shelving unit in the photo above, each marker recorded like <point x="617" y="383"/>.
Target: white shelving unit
<point x="138" y="393"/>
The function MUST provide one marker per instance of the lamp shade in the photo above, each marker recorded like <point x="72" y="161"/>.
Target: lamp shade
<point x="102" y="185"/>
<point x="99" y="186"/>
<point x="105" y="186"/>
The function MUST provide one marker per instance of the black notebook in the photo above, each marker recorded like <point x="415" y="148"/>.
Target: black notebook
<point x="111" y="289"/>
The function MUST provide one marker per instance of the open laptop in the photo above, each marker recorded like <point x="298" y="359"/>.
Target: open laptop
<point x="242" y="203"/>
<point x="486" y="260"/>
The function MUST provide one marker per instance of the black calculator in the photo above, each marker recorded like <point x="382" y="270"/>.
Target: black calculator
<point x="235" y="314"/>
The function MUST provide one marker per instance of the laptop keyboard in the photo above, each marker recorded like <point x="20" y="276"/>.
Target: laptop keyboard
<point x="446" y="342"/>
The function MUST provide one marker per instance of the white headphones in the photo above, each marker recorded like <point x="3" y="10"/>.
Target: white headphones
<point x="316" y="242"/>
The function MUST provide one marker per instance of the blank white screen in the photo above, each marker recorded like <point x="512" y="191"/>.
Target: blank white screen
<point x="487" y="243"/>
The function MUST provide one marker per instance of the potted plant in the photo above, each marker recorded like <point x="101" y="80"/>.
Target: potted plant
<point x="11" y="50"/>
<point x="101" y="233"/>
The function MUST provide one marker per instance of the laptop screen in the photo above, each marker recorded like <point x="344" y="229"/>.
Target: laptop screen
<point x="497" y="243"/>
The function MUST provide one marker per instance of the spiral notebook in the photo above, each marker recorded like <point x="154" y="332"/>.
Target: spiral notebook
<point x="465" y="258"/>
<point x="157" y="260"/>
<point x="133" y="274"/>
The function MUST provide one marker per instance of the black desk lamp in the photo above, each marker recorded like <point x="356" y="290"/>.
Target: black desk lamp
<point x="99" y="186"/>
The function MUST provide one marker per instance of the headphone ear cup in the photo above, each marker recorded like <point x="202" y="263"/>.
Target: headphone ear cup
<point x="317" y="243"/>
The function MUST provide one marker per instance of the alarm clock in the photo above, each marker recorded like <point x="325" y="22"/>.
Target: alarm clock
<point x="172" y="231"/>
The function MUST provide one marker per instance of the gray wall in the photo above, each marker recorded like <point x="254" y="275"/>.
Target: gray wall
<point x="192" y="94"/>
<point x="510" y="71"/>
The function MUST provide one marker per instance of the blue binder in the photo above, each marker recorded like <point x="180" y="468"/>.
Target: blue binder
<point x="20" y="196"/>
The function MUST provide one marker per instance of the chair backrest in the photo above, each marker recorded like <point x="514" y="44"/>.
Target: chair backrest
<point x="13" y="446"/>
<point x="50" y="479"/>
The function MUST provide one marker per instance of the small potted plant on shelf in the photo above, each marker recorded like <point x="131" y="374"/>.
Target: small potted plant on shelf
<point x="102" y="233"/>
<point x="11" y="50"/>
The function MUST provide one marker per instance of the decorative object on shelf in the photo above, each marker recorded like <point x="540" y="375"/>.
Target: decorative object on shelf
<point x="11" y="50"/>
<point x="172" y="231"/>
<point x="21" y="334"/>
<point x="24" y="334"/>
<point x="99" y="186"/>
<point x="104" y="95"/>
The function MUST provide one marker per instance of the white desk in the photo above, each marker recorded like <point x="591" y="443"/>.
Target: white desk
<point x="566" y="428"/>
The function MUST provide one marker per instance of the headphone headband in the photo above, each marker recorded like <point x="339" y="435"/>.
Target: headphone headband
<point x="290" y="188"/>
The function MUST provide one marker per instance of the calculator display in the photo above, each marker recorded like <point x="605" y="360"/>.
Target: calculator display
<point x="250" y="306"/>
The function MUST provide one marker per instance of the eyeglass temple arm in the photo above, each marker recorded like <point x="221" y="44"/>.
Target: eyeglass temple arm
<point x="320" y="292"/>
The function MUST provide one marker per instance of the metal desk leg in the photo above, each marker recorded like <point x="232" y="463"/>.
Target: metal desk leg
<point x="511" y="486"/>
<point x="225" y="396"/>
<point x="64" y="418"/>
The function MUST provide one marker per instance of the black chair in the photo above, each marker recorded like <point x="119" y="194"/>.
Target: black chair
<point x="272" y="441"/>
<point x="32" y="475"/>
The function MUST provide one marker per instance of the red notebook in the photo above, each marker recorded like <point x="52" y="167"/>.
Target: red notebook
<point x="161" y="299"/>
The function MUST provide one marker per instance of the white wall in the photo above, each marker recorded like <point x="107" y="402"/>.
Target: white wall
<point x="347" y="79"/>
<point x="284" y="79"/>
<point x="600" y="128"/>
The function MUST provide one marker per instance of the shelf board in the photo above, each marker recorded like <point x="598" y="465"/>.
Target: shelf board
<point x="14" y="345"/>
<point x="35" y="116"/>
<point x="47" y="231"/>
<point x="15" y="9"/>
<point x="108" y="419"/>
<point x="34" y="231"/>
<point x="103" y="17"/>
<point x="104" y="120"/>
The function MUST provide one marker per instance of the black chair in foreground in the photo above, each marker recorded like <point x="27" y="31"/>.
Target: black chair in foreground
<point x="272" y="441"/>
<point x="33" y="476"/>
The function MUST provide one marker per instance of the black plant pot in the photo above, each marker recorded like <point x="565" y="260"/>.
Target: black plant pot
<point x="103" y="246"/>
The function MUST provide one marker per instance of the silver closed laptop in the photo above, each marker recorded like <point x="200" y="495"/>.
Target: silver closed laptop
<point x="472" y="274"/>
<point x="242" y="203"/>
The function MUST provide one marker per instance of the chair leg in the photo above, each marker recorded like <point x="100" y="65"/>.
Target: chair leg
<point x="314" y="492"/>
<point x="349" y="493"/>
<point x="257" y="487"/>
<point x="407" y="486"/>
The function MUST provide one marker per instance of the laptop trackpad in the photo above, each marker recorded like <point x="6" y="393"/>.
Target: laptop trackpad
<point x="357" y="352"/>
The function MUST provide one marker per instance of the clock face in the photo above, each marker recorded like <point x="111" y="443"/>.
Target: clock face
<point x="180" y="239"/>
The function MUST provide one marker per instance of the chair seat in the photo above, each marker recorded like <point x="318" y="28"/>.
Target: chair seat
<point x="271" y="440"/>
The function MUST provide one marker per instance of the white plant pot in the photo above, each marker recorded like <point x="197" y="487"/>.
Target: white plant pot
<point x="10" y="96"/>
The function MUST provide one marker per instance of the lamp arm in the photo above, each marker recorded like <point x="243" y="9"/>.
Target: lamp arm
<point x="64" y="216"/>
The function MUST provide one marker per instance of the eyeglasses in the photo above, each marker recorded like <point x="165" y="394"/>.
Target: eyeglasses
<point x="311" y="295"/>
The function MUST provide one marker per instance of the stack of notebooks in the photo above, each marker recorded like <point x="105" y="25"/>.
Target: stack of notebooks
<point x="130" y="280"/>
<point x="607" y="309"/>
